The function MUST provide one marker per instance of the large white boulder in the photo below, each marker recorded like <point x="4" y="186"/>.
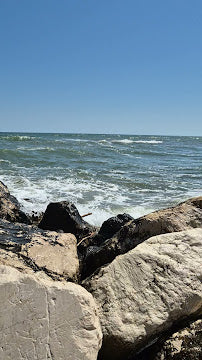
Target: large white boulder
<point x="42" y="319"/>
<point x="144" y="292"/>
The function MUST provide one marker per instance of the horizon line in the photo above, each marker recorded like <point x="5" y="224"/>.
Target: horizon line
<point x="94" y="133"/>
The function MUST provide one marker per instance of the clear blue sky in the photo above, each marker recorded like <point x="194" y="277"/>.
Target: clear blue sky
<point x="108" y="66"/>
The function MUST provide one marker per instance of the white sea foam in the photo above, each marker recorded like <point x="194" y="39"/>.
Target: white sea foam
<point x="17" y="137"/>
<point x="148" y="141"/>
<point x="93" y="197"/>
<point x="104" y="142"/>
<point x="35" y="148"/>
<point x="107" y="181"/>
<point x="130" y="141"/>
<point x="123" y="141"/>
<point x="138" y="211"/>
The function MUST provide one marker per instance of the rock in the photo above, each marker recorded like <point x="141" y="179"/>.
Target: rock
<point x="113" y="225"/>
<point x="184" y="344"/>
<point x="10" y="207"/>
<point x="64" y="216"/>
<point x="36" y="218"/>
<point x="92" y="244"/>
<point x="43" y="319"/>
<point x="144" y="292"/>
<point x="184" y="216"/>
<point x="29" y="249"/>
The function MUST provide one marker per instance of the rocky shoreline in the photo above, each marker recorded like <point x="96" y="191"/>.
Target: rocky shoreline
<point x="130" y="289"/>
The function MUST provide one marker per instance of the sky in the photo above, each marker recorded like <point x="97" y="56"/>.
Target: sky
<point x="110" y="66"/>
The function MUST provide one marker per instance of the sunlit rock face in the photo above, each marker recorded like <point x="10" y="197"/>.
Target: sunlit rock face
<point x="144" y="292"/>
<point x="45" y="319"/>
<point x="32" y="250"/>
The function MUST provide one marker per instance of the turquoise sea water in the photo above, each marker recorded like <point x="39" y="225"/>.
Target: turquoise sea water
<point x="102" y="174"/>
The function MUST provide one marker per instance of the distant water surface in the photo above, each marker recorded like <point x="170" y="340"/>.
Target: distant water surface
<point x="102" y="174"/>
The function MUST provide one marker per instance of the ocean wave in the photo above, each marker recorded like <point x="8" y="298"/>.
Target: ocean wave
<point x="75" y="140"/>
<point x="103" y="174"/>
<point x="148" y="141"/>
<point x="129" y="141"/>
<point x="103" y="141"/>
<point x="5" y="161"/>
<point x="17" y="137"/>
<point x="123" y="141"/>
<point x="87" y="196"/>
<point x="35" y="148"/>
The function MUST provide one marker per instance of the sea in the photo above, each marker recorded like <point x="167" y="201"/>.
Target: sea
<point x="100" y="173"/>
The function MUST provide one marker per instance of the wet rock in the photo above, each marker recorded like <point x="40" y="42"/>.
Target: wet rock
<point x="44" y="319"/>
<point x="10" y="207"/>
<point x="65" y="216"/>
<point x="32" y="250"/>
<point x="146" y="291"/>
<point x="113" y="225"/>
<point x="184" y="216"/>
<point x="92" y="244"/>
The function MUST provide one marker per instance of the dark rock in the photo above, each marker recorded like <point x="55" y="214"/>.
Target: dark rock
<point x="65" y="216"/>
<point x="113" y="225"/>
<point x="184" y="344"/>
<point x="184" y="216"/>
<point x="10" y="207"/>
<point x="92" y="244"/>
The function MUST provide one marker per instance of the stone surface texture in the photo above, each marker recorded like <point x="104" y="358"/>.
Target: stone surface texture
<point x="29" y="249"/>
<point x="45" y="319"/>
<point x="112" y="225"/>
<point x="182" y="344"/>
<point x="10" y="208"/>
<point x="185" y="344"/>
<point x="146" y="291"/>
<point x="184" y="216"/>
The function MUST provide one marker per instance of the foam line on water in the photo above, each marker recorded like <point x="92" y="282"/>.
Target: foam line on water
<point x="17" y="137"/>
<point x="22" y="148"/>
<point x="123" y="141"/>
<point x="148" y="141"/>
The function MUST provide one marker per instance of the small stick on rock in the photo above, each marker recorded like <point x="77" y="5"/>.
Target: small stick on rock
<point x="86" y="237"/>
<point x="86" y="214"/>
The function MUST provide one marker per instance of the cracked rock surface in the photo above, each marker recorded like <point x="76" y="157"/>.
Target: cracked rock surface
<point x="29" y="249"/>
<point x="46" y="320"/>
<point x="144" y="292"/>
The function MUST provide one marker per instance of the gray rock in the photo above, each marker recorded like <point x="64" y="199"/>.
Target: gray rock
<point x="144" y="292"/>
<point x="42" y="319"/>
<point x="10" y="207"/>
